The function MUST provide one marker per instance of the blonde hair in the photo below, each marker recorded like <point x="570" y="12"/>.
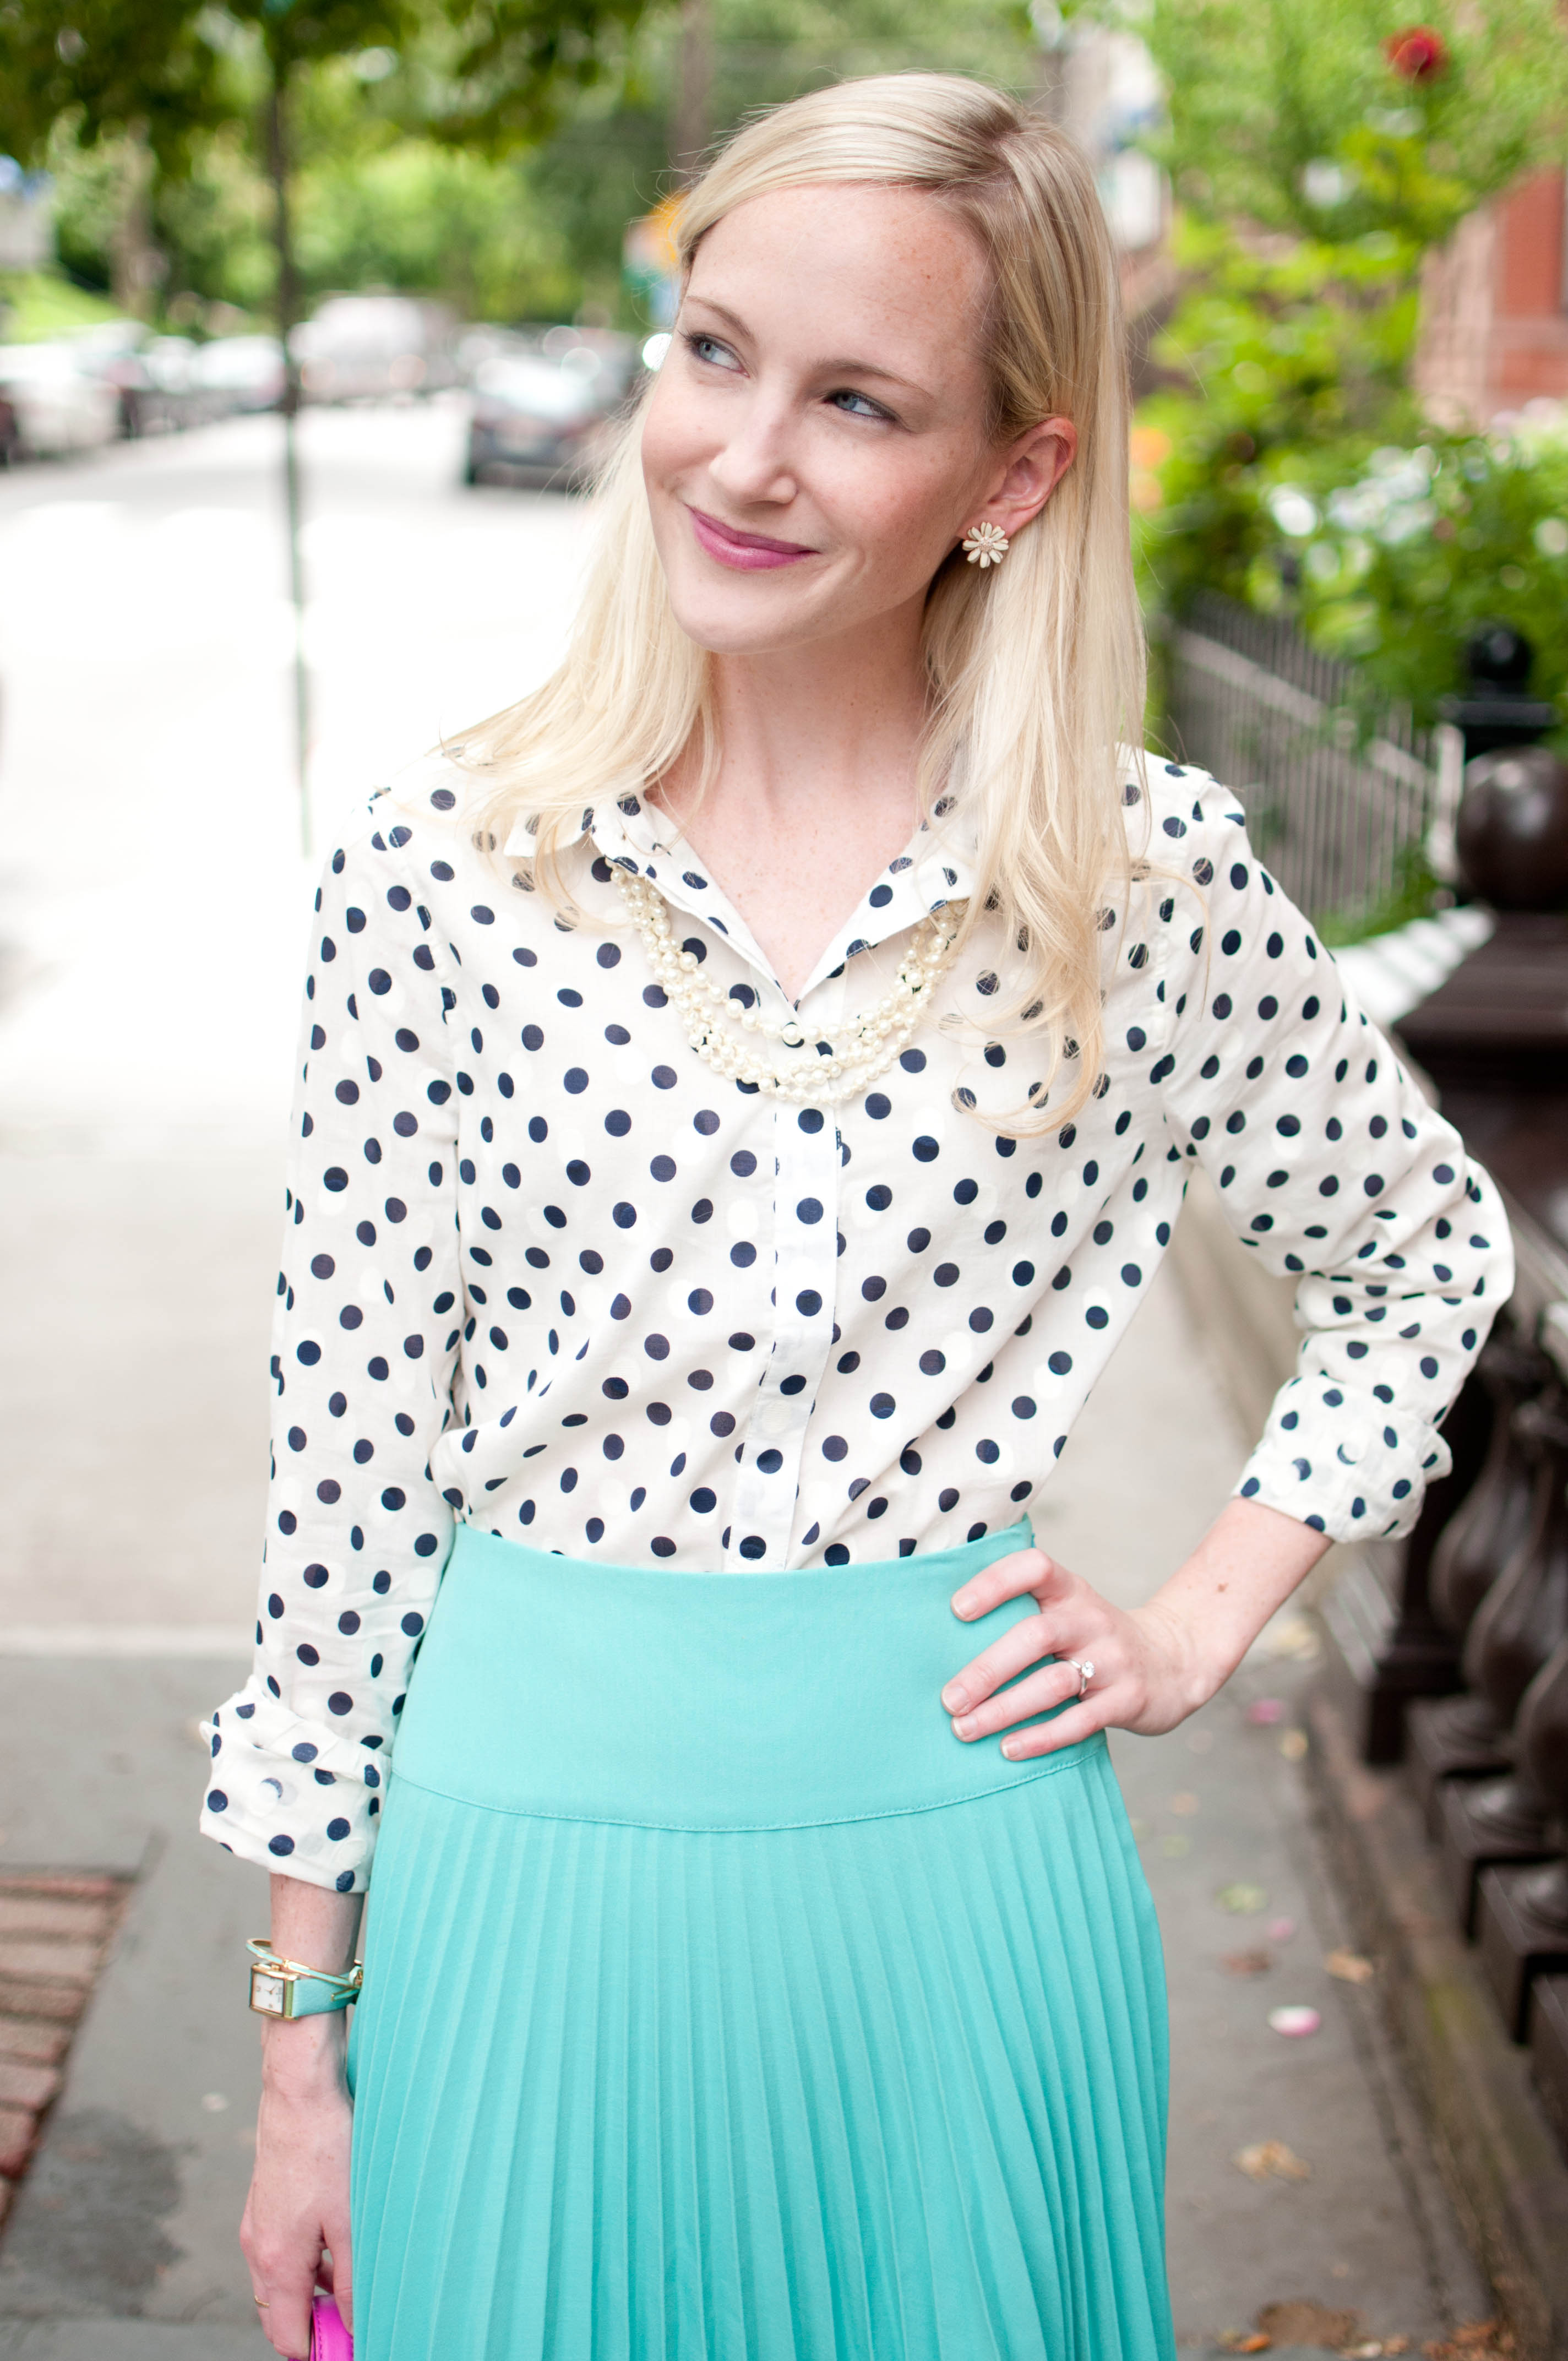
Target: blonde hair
<point x="1035" y="669"/>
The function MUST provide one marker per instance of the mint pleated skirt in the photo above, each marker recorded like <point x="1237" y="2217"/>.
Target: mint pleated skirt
<point x="721" y="2005"/>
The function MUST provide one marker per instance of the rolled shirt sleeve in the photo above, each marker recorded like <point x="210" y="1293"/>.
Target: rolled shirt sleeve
<point x="365" y="1342"/>
<point x="1333" y="1167"/>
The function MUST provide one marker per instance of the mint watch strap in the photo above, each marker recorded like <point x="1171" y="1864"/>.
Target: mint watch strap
<point x="280" y="1987"/>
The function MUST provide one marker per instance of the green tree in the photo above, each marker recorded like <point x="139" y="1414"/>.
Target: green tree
<point x="1318" y="148"/>
<point x="1305" y="116"/>
<point x="162" y="75"/>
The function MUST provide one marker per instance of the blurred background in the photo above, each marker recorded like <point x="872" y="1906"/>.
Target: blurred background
<point x="315" y="316"/>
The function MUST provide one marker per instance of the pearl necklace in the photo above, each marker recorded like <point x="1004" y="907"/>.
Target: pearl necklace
<point x="874" y="1039"/>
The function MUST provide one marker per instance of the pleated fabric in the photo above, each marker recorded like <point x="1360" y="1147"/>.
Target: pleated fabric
<point x="887" y="2087"/>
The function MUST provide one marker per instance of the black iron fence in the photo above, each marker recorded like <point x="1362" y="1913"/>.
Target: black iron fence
<point x="1353" y="822"/>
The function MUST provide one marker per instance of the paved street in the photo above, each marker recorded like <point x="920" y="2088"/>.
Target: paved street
<point x="153" y="899"/>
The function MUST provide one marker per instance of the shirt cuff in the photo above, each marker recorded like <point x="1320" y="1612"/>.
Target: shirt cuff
<point x="1352" y="1471"/>
<point x="270" y="1767"/>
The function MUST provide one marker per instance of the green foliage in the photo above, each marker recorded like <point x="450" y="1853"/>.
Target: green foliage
<point x="609" y="160"/>
<point x="1289" y="114"/>
<point x="109" y="65"/>
<point x="412" y="125"/>
<point x="1282" y="348"/>
<point x="1413" y="896"/>
<point x="1394" y="563"/>
<point x="424" y="218"/>
<point x="1313" y="178"/>
<point x="36" y="305"/>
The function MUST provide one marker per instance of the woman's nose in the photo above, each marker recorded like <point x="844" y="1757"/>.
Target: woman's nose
<point x="757" y="461"/>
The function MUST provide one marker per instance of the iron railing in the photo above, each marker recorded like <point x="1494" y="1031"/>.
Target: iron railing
<point x="1355" y="823"/>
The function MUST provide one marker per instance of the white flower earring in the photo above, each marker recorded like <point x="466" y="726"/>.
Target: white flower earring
<point x="985" y="544"/>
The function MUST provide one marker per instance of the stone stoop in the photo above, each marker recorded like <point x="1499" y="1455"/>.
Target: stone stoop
<point x="1497" y="2153"/>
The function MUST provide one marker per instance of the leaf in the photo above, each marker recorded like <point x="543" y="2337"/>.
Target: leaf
<point x="1349" y="1966"/>
<point x="1247" y="1964"/>
<point x="1270" y="2160"/>
<point x="1304" y="2322"/>
<point x="1242" y="1901"/>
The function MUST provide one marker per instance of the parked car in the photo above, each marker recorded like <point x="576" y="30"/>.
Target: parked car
<point x="112" y="353"/>
<point x="242" y="372"/>
<point x="57" y="405"/>
<point x="542" y="410"/>
<point x="367" y="347"/>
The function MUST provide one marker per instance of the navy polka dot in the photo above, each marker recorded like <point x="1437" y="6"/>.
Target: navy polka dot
<point x="618" y="1307"/>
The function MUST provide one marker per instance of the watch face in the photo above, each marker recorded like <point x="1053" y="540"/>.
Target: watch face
<point x="267" y="1993"/>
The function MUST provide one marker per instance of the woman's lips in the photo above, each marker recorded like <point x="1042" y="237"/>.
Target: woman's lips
<point x="748" y="552"/>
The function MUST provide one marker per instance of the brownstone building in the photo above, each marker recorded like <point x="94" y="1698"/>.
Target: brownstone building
<point x="1494" y="318"/>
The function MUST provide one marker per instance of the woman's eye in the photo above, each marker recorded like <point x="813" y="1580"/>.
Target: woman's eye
<point x="857" y="405"/>
<point x="709" y="349"/>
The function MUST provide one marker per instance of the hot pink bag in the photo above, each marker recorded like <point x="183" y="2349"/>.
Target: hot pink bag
<point x="330" y="2341"/>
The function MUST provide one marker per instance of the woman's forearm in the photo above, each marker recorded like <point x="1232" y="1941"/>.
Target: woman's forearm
<point x="1217" y="1602"/>
<point x="319" y="1928"/>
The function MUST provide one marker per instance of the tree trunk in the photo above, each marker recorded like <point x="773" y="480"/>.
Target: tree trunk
<point x="692" y="128"/>
<point x="288" y="306"/>
<point x="136" y="266"/>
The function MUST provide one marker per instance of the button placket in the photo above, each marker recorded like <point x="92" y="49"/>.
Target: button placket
<point x="806" y="1188"/>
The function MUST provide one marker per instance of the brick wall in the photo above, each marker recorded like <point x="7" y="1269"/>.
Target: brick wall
<point x="1495" y="327"/>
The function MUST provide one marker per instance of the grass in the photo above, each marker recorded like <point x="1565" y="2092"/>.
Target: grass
<point x="38" y="304"/>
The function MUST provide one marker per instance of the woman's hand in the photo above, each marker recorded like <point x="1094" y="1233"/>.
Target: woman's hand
<point x="295" y="2230"/>
<point x="1153" y="1664"/>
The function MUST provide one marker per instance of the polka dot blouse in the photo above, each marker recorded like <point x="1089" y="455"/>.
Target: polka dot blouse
<point x="545" y="1271"/>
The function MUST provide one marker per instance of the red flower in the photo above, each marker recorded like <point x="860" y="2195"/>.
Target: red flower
<point x="1417" y="54"/>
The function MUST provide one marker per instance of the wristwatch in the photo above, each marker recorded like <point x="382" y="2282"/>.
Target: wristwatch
<point x="281" y="1987"/>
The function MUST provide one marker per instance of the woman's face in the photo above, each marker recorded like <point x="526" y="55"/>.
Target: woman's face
<point x="815" y="443"/>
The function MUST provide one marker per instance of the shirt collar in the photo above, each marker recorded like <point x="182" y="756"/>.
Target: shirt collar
<point x="937" y="865"/>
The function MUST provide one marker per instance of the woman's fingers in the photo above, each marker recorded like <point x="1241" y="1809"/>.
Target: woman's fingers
<point x="282" y="2280"/>
<point x="1069" y="1728"/>
<point x="335" y="2275"/>
<point x="1036" y="1694"/>
<point x="1012" y="1650"/>
<point x="286" y="2322"/>
<point x="1006" y="1577"/>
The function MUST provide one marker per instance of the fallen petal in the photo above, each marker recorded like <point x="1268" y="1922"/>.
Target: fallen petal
<point x="1247" y="1964"/>
<point x="1351" y="1969"/>
<point x="1280" y="1930"/>
<point x="1271" y="2160"/>
<point x="1295" y="2022"/>
<point x="1265" y="1711"/>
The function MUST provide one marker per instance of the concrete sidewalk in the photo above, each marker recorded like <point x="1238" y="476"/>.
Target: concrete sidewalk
<point x="121" y="2244"/>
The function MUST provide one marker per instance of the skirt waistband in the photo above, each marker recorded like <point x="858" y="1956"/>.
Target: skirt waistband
<point x="563" y="1690"/>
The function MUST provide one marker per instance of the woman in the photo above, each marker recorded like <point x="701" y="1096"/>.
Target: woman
<point x="746" y="1092"/>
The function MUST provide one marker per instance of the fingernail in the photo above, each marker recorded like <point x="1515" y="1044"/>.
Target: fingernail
<point x="965" y="1724"/>
<point x="954" y="1697"/>
<point x="1010" y="1746"/>
<point x="962" y="1601"/>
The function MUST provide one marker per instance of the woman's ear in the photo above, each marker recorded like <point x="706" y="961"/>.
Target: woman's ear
<point x="1030" y="472"/>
